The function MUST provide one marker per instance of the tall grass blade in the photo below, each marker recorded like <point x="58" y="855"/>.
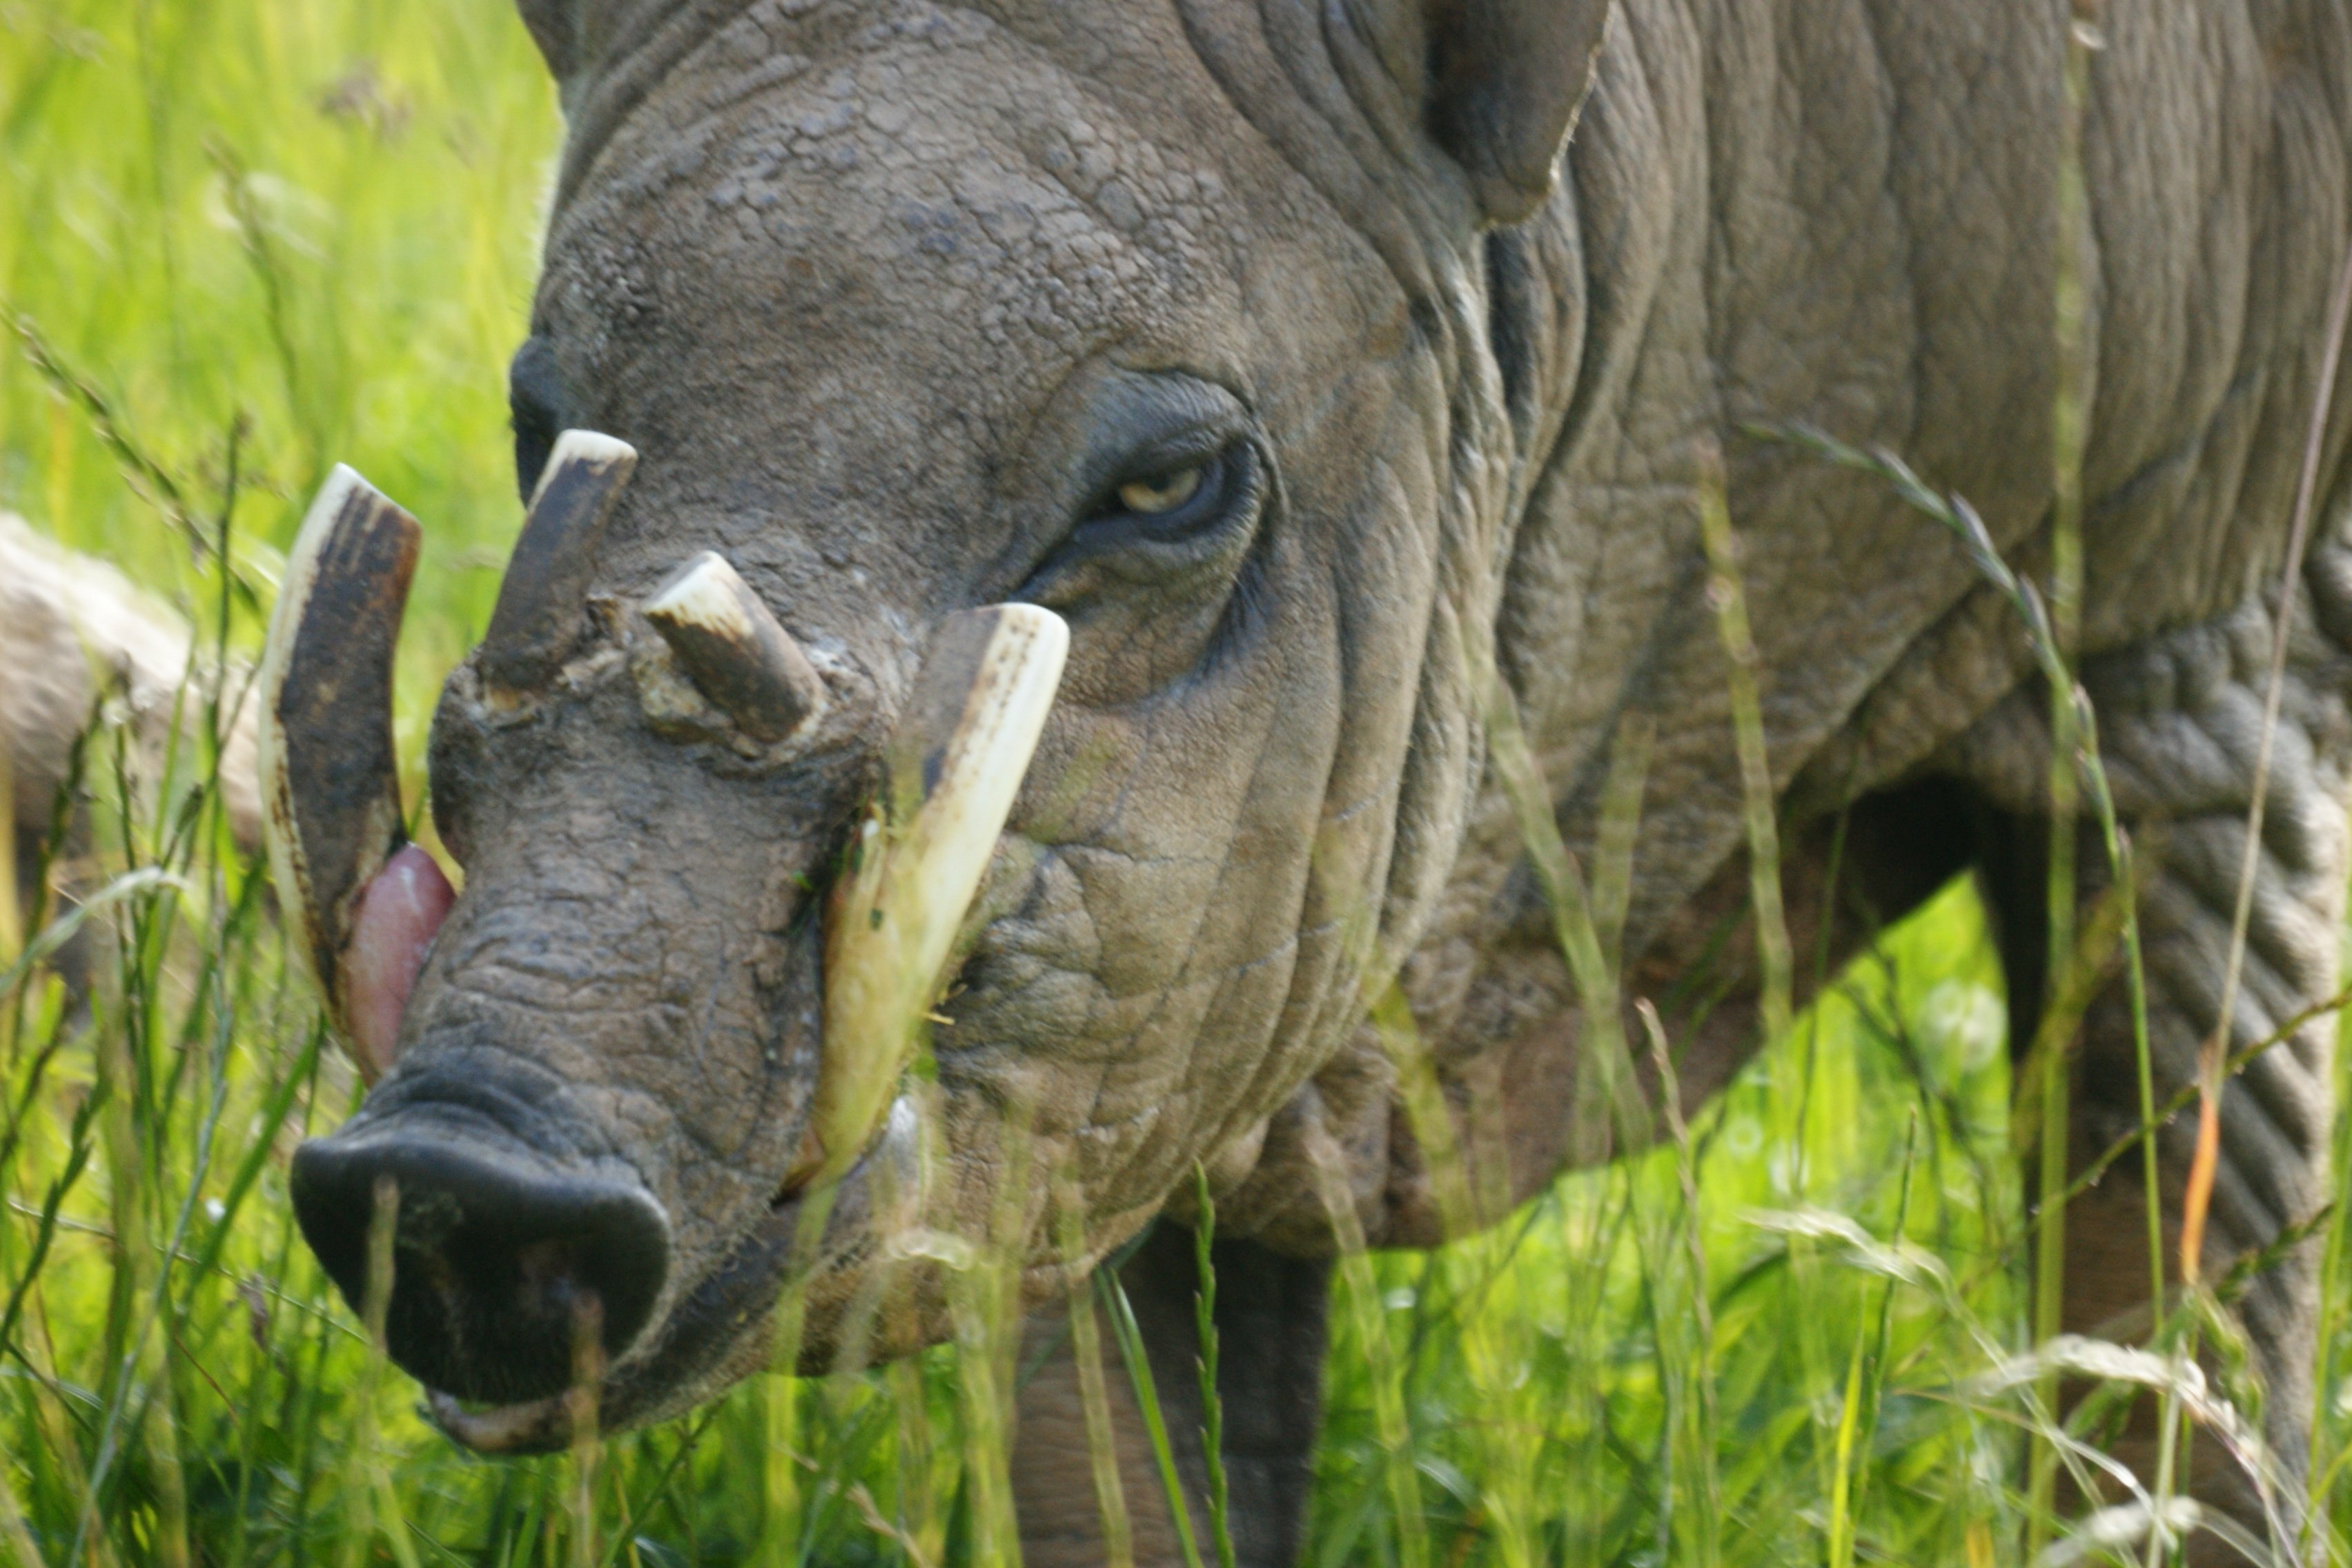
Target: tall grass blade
<point x="781" y="1521"/>
<point x="1094" y="1392"/>
<point x="587" y="1374"/>
<point x="14" y="1531"/>
<point x="1760" y="816"/>
<point x="921" y="1526"/>
<point x="1606" y="1080"/>
<point x="1113" y="1296"/>
<point x="371" y="1500"/>
<point x="2070" y="423"/>
<point x="1758" y="797"/>
<point x="1365" y="1307"/>
<point x="1701" y="1437"/>
<point x="1866" y="1381"/>
<point x="1212" y="1404"/>
<point x="12" y="922"/>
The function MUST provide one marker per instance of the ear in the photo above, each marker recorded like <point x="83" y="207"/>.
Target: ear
<point x="1505" y="79"/>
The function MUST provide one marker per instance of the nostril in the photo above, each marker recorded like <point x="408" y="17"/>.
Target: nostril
<point x="501" y="1257"/>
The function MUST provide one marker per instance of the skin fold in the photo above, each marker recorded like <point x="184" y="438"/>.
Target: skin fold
<point x="895" y="300"/>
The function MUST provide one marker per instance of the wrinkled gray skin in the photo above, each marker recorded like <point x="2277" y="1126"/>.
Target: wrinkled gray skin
<point x="891" y="296"/>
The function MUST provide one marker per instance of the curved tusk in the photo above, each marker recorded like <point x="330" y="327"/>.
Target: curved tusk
<point x="736" y="652"/>
<point x="956" y="762"/>
<point x="543" y="606"/>
<point x="332" y="813"/>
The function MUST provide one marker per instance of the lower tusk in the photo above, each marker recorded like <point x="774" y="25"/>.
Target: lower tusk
<point x="330" y="807"/>
<point x="956" y="762"/>
<point x="740" y="656"/>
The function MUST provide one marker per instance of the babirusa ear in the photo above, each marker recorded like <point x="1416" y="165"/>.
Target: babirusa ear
<point x="1507" y="78"/>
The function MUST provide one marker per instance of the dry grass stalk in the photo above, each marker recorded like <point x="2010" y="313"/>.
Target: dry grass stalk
<point x="1094" y="1392"/>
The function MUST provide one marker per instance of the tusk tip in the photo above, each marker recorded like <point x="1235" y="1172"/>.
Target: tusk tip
<point x="589" y="448"/>
<point x="541" y="612"/>
<point x="329" y="511"/>
<point x="738" y="654"/>
<point x="705" y="591"/>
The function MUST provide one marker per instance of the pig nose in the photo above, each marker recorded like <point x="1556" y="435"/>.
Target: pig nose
<point x="513" y="1272"/>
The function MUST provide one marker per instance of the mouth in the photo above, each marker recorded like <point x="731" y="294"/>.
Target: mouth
<point x="689" y="1350"/>
<point x="801" y="1238"/>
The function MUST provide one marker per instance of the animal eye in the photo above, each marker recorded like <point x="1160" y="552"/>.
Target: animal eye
<point x="1182" y="512"/>
<point x="1160" y="492"/>
<point x="532" y="395"/>
<point x="1188" y="504"/>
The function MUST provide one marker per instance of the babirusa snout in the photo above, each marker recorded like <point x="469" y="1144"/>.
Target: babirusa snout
<point x="733" y="646"/>
<point x="956" y="762"/>
<point x="331" y="813"/>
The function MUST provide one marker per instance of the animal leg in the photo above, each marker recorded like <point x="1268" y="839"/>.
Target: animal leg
<point x="1270" y="1328"/>
<point x="2182" y="718"/>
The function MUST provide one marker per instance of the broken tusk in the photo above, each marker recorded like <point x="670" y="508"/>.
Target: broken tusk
<point x="955" y="763"/>
<point x="733" y="646"/>
<point x="331" y="810"/>
<point x="543" y="606"/>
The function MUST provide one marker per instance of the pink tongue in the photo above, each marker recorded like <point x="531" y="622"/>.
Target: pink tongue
<point x="394" y="925"/>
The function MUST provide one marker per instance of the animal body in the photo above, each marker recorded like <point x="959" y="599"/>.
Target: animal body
<point x="71" y="626"/>
<point x="1301" y="359"/>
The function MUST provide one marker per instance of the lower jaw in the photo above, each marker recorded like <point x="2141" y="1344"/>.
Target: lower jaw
<point x="534" y="1427"/>
<point x="722" y="1329"/>
<point x="697" y="1339"/>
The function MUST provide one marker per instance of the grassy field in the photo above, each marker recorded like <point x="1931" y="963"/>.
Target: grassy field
<point x="241" y="241"/>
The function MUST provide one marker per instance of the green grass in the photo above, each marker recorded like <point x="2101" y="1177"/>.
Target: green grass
<point x="253" y="239"/>
<point x="305" y="230"/>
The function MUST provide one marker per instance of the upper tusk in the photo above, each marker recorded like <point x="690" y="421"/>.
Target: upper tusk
<point x="330" y="790"/>
<point x="956" y="762"/>
<point x="543" y="606"/>
<point x="734" y="647"/>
